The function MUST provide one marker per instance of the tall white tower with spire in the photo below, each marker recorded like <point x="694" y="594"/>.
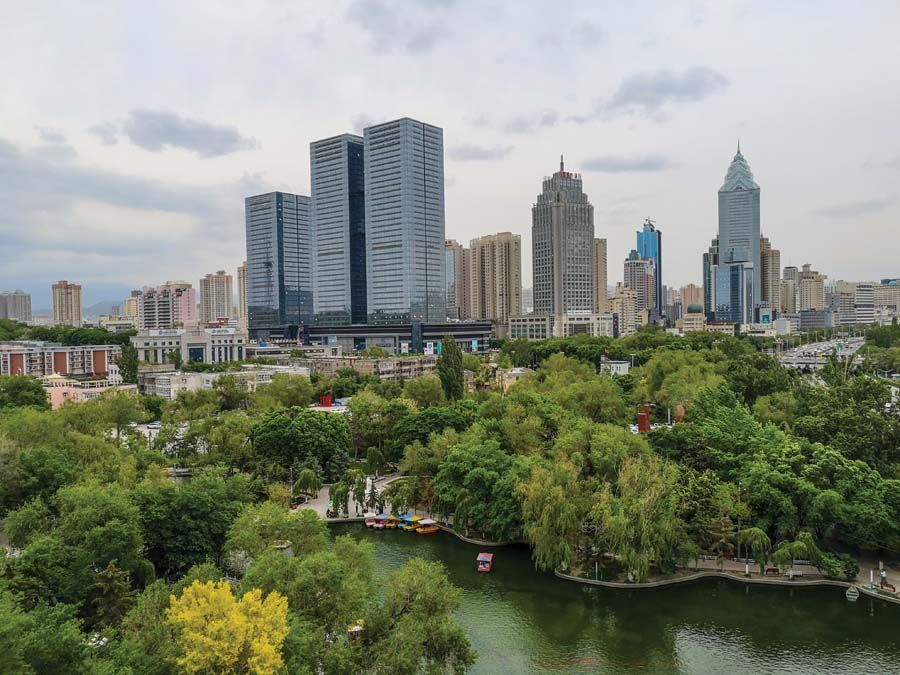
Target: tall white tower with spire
<point x="739" y="219"/>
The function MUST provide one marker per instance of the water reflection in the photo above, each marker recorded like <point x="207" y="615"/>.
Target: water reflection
<point x="522" y="621"/>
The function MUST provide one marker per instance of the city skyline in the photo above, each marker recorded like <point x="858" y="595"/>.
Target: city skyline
<point x="649" y="136"/>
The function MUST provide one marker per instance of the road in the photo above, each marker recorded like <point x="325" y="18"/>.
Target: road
<point x="815" y="354"/>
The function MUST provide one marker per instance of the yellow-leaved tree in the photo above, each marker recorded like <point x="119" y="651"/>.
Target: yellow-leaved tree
<point x="218" y="633"/>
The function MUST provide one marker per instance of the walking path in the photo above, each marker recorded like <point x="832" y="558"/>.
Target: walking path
<point x="320" y="503"/>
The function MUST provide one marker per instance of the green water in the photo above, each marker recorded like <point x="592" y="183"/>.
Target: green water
<point x="521" y="621"/>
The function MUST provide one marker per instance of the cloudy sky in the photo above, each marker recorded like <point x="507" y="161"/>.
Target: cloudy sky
<point x="131" y="132"/>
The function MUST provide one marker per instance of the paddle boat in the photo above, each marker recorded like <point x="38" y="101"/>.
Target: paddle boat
<point x="369" y="519"/>
<point x="485" y="562"/>
<point x="392" y="522"/>
<point x="411" y="524"/>
<point x="427" y="526"/>
<point x="380" y="521"/>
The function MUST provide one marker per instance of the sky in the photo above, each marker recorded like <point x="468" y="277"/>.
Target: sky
<point x="131" y="132"/>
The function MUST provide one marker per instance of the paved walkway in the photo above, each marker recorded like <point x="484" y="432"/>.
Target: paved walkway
<point x="320" y="503"/>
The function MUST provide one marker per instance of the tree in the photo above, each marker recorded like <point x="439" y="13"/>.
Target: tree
<point x="111" y="596"/>
<point x="231" y="392"/>
<point x="426" y="391"/>
<point x="415" y="630"/>
<point x="759" y="544"/>
<point x="121" y="408"/>
<point x="308" y="482"/>
<point x="450" y="370"/>
<point x="219" y="633"/>
<point x="128" y="363"/>
<point x="554" y="508"/>
<point x="20" y="391"/>
<point x="260" y="526"/>
<point x="375" y="352"/>
<point x="284" y="391"/>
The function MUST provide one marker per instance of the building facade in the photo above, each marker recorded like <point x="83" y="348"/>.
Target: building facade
<point x="492" y="278"/>
<point x="562" y="234"/>
<point x="649" y="246"/>
<point x="170" y="305"/>
<point x="641" y="277"/>
<point x="15" y="305"/>
<point x="279" y="264"/>
<point x="242" y="296"/>
<point x="733" y="292"/>
<point x="739" y="236"/>
<point x="201" y="345"/>
<point x="456" y="287"/>
<point x="66" y="303"/>
<point x="770" y="271"/>
<point x="601" y="291"/>
<point x="404" y="212"/>
<point x="812" y="289"/>
<point x="624" y="304"/>
<point x="710" y="262"/>
<point x="40" y="359"/>
<point x="692" y="294"/>
<point x="338" y="213"/>
<point x="216" y="297"/>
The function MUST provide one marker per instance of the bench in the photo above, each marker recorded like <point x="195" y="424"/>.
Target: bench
<point x="794" y="573"/>
<point x="892" y="588"/>
<point x="772" y="571"/>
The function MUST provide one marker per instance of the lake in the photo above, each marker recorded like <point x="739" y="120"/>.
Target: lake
<point x="523" y="621"/>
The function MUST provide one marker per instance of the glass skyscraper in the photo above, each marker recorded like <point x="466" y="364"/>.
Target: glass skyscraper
<point x="739" y="239"/>
<point x="338" y="213"/>
<point x="279" y="264"/>
<point x="649" y="245"/>
<point x="404" y="212"/>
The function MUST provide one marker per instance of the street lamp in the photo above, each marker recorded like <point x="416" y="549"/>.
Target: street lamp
<point x="632" y="360"/>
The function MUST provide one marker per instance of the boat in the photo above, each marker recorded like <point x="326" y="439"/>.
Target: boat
<point x="427" y="526"/>
<point x="380" y="521"/>
<point x="355" y="631"/>
<point x="369" y="519"/>
<point x="411" y="523"/>
<point x="392" y="522"/>
<point x="485" y="562"/>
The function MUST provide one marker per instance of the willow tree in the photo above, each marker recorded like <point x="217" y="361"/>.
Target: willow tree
<point x="759" y="544"/>
<point x="553" y="510"/>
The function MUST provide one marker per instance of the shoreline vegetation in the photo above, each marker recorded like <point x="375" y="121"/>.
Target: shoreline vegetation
<point x="127" y="544"/>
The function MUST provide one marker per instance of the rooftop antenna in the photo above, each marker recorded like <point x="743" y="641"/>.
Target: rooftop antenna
<point x="562" y="166"/>
<point x="739" y="145"/>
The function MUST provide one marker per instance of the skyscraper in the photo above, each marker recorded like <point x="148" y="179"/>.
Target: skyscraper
<point x="453" y="267"/>
<point x="66" y="303"/>
<point x="732" y="299"/>
<point x="770" y="270"/>
<point x="710" y="262"/>
<point x="739" y="237"/>
<point x="640" y="276"/>
<point x="279" y="264"/>
<point x="790" y="290"/>
<point x="15" y="305"/>
<point x="812" y="289"/>
<point x="338" y="213"/>
<point x="242" y="295"/>
<point x="649" y="245"/>
<point x="494" y="278"/>
<point x="562" y="234"/>
<point x="601" y="292"/>
<point x="216" y="297"/>
<point x="404" y="211"/>
<point x="623" y="306"/>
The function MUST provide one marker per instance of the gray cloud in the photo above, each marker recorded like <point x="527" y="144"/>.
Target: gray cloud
<point x="155" y="129"/>
<point x="622" y="163"/>
<point x="106" y="131"/>
<point x="472" y="153"/>
<point x="415" y="32"/>
<point x="647" y="93"/>
<point x="589" y="34"/>
<point x="894" y="163"/>
<point x="522" y="124"/>
<point x="50" y="135"/>
<point x="853" y="209"/>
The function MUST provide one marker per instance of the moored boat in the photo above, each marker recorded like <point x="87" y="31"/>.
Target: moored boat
<point x="427" y="526"/>
<point x="411" y="523"/>
<point x="380" y="521"/>
<point x="369" y="519"/>
<point x="484" y="562"/>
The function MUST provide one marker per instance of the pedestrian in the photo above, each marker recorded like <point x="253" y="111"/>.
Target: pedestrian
<point x="883" y="577"/>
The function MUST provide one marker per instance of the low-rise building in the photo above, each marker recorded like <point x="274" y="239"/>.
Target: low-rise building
<point x="203" y="345"/>
<point x="168" y="382"/>
<point x="543" y="326"/>
<point x="386" y="368"/>
<point x="117" y="324"/>
<point x="507" y="377"/>
<point x="41" y="359"/>
<point x="61" y="389"/>
<point x="723" y="327"/>
<point x="816" y="318"/>
<point x="614" y="367"/>
<point x="471" y="336"/>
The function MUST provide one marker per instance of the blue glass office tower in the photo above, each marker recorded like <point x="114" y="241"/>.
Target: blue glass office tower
<point x="739" y="220"/>
<point x="733" y="293"/>
<point x="279" y="265"/>
<point x="404" y="169"/>
<point x="338" y="213"/>
<point x="649" y="245"/>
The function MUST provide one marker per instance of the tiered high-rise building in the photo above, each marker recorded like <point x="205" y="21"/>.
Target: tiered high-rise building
<point x="404" y="211"/>
<point x="242" y="295"/>
<point x="739" y="236"/>
<point x="15" y="305"/>
<point x="812" y="289"/>
<point x="338" y="212"/>
<point x="279" y="264"/>
<point x="640" y="276"/>
<point x="601" y="291"/>
<point x="770" y="271"/>
<point x="216" y="297"/>
<point x="456" y="286"/>
<point x="66" y="303"/>
<point x="563" y="246"/>
<point x="649" y="245"/>
<point x="171" y="305"/>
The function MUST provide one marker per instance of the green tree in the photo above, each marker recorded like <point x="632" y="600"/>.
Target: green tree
<point x="111" y="596"/>
<point x="425" y="391"/>
<point x="260" y="526"/>
<point x="554" y="508"/>
<point x="22" y="390"/>
<point x="283" y="391"/>
<point x="128" y="363"/>
<point x="759" y="544"/>
<point x="450" y="369"/>
<point x="231" y="392"/>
